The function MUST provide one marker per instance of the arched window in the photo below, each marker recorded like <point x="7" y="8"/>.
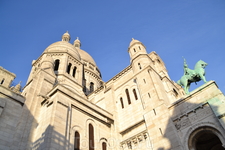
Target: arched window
<point x="2" y="81"/>
<point x="56" y="68"/>
<point x="91" y="137"/>
<point x="104" y="146"/>
<point x="68" y="68"/>
<point x="74" y="71"/>
<point x="139" y="65"/>
<point x="135" y="94"/>
<point x="91" y="87"/>
<point x="128" y="96"/>
<point x="77" y="141"/>
<point x="134" y="50"/>
<point x="139" y="47"/>
<point x="121" y="101"/>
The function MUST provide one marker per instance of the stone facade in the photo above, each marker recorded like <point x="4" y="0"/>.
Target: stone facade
<point x="66" y="105"/>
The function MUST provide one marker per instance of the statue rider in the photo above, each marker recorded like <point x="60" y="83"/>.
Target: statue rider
<point x="188" y="71"/>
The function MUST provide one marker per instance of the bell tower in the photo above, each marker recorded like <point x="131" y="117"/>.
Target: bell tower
<point x="136" y="48"/>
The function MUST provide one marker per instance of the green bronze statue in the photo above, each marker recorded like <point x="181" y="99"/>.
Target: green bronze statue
<point x="192" y="75"/>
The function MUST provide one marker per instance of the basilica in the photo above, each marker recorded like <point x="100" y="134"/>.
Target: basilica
<point x="65" y="105"/>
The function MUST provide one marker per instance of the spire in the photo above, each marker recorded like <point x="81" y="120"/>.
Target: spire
<point x="17" y="88"/>
<point x="66" y="37"/>
<point x="77" y="43"/>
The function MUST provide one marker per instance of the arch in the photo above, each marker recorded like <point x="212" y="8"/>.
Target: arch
<point x="91" y="136"/>
<point x="89" y="121"/>
<point x="74" y="137"/>
<point x="77" y="141"/>
<point x="74" y="71"/>
<point x="91" y="87"/>
<point x="205" y="136"/>
<point x="68" y="68"/>
<point x="135" y="94"/>
<point x="103" y="142"/>
<point x="104" y="146"/>
<point x="56" y="66"/>
<point x="128" y="96"/>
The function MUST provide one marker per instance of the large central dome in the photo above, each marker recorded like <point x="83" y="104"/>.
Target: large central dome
<point x="63" y="46"/>
<point x="86" y="57"/>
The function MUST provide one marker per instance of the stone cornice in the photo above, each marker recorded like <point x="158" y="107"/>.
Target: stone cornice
<point x="6" y="71"/>
<point x="192" y="94"/>
<point x="12" y="95"/>
<point x="124" y="71"/>
<point x="133" y="126"/>
<point x="84" y="102"/>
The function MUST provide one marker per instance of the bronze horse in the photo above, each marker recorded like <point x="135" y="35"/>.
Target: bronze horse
<point x="192" y="75"/>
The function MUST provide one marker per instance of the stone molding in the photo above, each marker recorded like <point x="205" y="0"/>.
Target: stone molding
<point x="134" y="140"/>
<point x="192" y="116"/>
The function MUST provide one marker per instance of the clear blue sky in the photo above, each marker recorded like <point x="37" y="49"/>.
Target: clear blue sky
<point x="194" y="29"/>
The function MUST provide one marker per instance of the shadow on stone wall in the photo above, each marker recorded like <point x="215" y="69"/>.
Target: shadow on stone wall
<point x="194" y="126"/>
<point x="51" y="139"/>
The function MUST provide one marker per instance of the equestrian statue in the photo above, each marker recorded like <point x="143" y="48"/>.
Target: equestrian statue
<point x="192" y="75"/>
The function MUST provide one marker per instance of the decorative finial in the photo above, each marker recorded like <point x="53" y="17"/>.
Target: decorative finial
<point x="132" y="38"/>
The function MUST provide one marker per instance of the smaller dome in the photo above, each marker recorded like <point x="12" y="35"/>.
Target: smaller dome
<point x="47" y="61"/>
<point x="66" y="37"/>
<point x="133" y="41"/>
<point x="77" y="43"/>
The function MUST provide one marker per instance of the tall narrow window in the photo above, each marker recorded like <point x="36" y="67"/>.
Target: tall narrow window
<point x="56" y="68"/>
<point x="74" y="71"/>
<point x="68" y="68"/>
<point x="139" y="65"/>
<point x="91" y="87"/>
<point x="139" y="47"/>
<point x="144" y="80"/>
<point x="121" y="101"/>
<point x="128" y="96"/>
<point x="2" y="81"/>
<point x="175" y="92"/>
<point x="135" y="94"/>
<point x="134" y="50"/>
<point x="104" y="146"/>
<point x="91" y="137"/>
<point x="77" y="141"/>
<point x="149" y="95"/>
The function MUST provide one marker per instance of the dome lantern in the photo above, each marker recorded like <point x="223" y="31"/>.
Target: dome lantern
<point x="77" y="43"/>
<point x="66" y="37"/>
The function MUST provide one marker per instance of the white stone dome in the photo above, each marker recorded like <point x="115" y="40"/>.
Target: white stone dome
<point x="86" y="57"/>
<point x="63" y="46"/>
<point x="133" y="41"/>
